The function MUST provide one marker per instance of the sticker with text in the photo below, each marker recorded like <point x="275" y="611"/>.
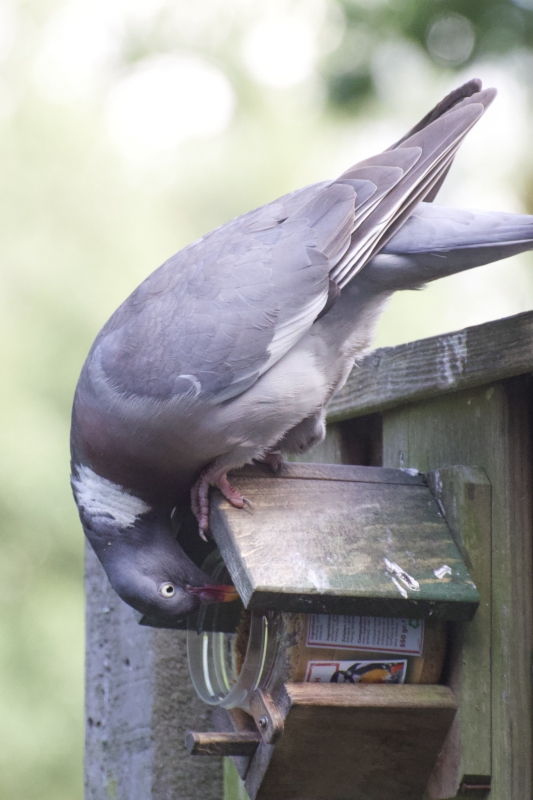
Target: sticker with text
<point x="376" y="634"/>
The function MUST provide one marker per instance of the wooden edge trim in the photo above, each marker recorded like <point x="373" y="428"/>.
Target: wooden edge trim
<point x="375" y="696"/>
<point x="334" y="472"/>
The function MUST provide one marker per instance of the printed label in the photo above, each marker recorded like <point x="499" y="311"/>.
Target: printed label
<point x="356" y="671"/>
<point x="378" y="634"/>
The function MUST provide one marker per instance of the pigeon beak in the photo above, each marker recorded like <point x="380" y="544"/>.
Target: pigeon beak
<point x="214" y="594"/>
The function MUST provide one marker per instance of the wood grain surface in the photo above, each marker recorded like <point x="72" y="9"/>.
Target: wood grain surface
<point x="341" y="539"/>
<point x="343" y="742"/>
<point x="490" y="427"/>
<point x="139" y="702"/>
<point x="222" y="744"/>
<point x="465" y="493"/>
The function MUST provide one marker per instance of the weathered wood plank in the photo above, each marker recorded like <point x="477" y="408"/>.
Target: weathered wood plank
<point x="392" y="376"/>
<point x="332" y="472"/>
<point x="343" y="742"/>
<point x="357" y="545"/>
<point x="331" y="451"/>
<point x="346" y="695"/>
<point x="466" y="758"/>
<point x="490" y="427"/>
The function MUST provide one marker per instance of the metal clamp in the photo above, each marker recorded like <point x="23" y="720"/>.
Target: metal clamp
<point x="267" y="716"/>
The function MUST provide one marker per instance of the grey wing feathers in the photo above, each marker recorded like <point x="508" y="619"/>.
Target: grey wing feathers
<point x="423" y="157"/>
<point x="217" y="315"/>
<point x="221" y="312"/>
<point x="435" y="228"/>
<point x="466" y="90"/>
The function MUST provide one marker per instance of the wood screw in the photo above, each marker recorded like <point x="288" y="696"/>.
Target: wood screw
<point x="263" y="723"/>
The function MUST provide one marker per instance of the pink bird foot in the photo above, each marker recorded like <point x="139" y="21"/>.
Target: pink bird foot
<point x="200" y="497"/>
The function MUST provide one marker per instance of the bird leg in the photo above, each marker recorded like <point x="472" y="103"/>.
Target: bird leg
<point x="212" y="476"/>
<point x="272" y="458"/>
<point x="304" y="436"/>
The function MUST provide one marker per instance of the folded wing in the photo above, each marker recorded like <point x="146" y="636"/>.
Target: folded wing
<point x="216" y="316"/>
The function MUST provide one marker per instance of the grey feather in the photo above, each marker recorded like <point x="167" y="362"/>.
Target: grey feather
<point x="437" y="241"/>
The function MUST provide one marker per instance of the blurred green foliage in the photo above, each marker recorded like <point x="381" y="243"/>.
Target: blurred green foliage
<point x="83" y="221"/>
<point x="453" y="33"/>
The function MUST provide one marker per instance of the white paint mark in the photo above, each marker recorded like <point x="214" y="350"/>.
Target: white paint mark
<point x="319" y="579"/>
<point x="441" y="572"/>
<point x="452" y="359"/>
<point x="99" y="497"/>
<point x="397" y="572"/>
<point x="400" y="588"/>
<point x="410" y="471"/>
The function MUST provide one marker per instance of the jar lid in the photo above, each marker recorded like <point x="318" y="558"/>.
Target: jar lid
<point x="227" y="662"/>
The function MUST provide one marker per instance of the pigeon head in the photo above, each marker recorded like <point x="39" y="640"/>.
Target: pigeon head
<point x="137" y="547"/>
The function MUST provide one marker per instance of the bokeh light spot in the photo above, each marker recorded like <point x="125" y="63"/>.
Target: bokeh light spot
<point x="280" y="52"/>
<point x="451" y="39"/>
<point x="166" y="100"/>
<point x="8" y="28"/>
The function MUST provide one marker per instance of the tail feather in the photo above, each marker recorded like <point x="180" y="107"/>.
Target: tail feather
<point x="437" y="241"/>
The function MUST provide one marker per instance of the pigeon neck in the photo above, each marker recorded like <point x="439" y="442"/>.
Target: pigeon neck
<point x="99" y="499"/>
<point x="115" y="521"/>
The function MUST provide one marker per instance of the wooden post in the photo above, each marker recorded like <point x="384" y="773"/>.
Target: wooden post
<point x="466" y="758"/>
<point x="489" y="427"/>
<point x="139" y="704"/>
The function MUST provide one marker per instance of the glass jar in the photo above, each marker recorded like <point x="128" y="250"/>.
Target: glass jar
<point x="232" y="651"/>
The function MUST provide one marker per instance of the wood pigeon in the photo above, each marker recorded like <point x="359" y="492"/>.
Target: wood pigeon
<point x="230" y="351"/>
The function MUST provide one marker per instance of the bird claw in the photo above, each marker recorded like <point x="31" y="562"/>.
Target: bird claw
<point x="202" y="533"/>
<point x="200" y="498"/>
<point x="248" y="503"/>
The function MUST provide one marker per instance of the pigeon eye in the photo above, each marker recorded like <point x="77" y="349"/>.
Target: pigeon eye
<point x="167" y="589"/>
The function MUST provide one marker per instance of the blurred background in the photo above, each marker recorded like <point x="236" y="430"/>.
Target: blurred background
<point x="129" y="128"/>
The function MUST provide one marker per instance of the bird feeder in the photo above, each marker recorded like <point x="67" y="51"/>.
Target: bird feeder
<point x="342" y="569"/>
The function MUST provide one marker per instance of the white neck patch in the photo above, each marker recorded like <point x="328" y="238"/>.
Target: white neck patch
<point x="99" y="497"/>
